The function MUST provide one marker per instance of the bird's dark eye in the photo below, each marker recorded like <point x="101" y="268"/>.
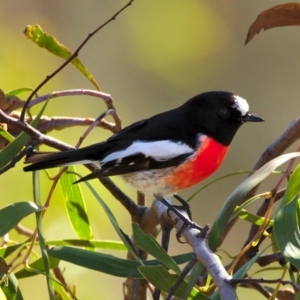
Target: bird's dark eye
<point x="224" y="112"/>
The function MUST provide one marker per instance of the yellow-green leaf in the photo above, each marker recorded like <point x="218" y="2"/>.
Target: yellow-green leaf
<point x="75" y="205"/>
<point x="37" y="35"/>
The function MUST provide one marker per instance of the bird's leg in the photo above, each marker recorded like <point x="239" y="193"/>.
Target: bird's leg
<point x="186" y="221"/>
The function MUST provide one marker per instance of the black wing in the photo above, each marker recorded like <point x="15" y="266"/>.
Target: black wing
<point x="133" y="163"/>
<point x="44" y="160"/>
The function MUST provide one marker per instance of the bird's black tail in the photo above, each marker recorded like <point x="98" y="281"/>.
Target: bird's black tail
<point x="45" y="160"/>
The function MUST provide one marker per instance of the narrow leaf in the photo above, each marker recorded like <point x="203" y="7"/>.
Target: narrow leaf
<point x="11" y="288"/>
<point x="163" y="280"/>
<point x="7" y="250"/>
<point x="147" y="243"/>
<point x="44" y="40"/>
<point x="193" y="278"/>
<point x="37" y="268"/>
<point x="18" y="91"/>
<point x="286" y="229"/>
<point x="11" y="150"/>
<point x="38" y="215"/>
<point x="12" y="214"/>
<point x="75" y="205"/>
<point x="105" y="263"/>
<point x="239" y="193"/>
<point x="6" y="135"/>
<point x="293" y="188"/>
<point x="114" y="222"/>
<point x="287" y="232"/>
<point x="101" y="244"/>
<point x="101" y="262"/>
<point x="253" y="219"/>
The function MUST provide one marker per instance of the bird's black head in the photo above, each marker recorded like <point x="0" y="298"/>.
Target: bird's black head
<point x="219" y="114"/>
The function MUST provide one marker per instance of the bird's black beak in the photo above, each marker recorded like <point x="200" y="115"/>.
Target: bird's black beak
<point x="251" y="118"/>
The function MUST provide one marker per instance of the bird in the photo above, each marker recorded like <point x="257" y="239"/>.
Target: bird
<point x="167" y="152"/>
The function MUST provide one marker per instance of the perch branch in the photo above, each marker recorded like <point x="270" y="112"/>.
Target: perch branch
<point x="204" y="255"/>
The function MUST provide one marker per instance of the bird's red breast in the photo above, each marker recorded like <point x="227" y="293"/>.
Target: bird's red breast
<point x="202" y="164"/>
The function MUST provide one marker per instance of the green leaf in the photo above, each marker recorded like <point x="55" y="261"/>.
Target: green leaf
<point x="75" y="204"/>
<point x="11" y="150"/>
<point x="163" y="280"/>
<point x="147" y="243"/>
<point x="105" y="263"/>
<point x="101" y="262"/>
<point x="287" y="232"/>
<point x="293" y="188"/>
<point x="6" y="135"/>
<point x="11" y="288"/>
<point x="60" y="290"/>
<point x="44" y="40"/>
<point x="286" y="229"/>
<point x="12" y="214"/>
<point x="101" y="244"/>
<point x="109" y="245"/>
<point x="37" y="268"/>
<point x="253" y="219"/>
<point x="7" y="250"/>
<point x="39" y="223"/>
<point x="114" y="222"/>
<point x="18" y="91"/>
<point x="239" y="193"/>
<point x="245" y="204"/>
<point x="193" y="278"/>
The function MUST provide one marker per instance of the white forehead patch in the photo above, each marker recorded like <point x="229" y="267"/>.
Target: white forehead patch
<point x="241" y="104"/>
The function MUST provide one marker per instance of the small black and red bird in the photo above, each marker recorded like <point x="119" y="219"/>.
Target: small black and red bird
<point x="168" y="152"/>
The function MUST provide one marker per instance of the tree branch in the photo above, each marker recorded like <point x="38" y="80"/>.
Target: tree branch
<point x="203" y="253"/>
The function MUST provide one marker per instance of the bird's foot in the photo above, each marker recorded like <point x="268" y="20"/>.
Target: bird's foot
<point x="187" y="222"/>
<point x="184" y="205"/>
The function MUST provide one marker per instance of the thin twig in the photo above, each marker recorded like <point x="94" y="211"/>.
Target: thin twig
<point x="256" y="286"/>
<point x="34" y="133"/>
<point x="93" y="125"/>
<point x="75" y="54"/>
<point x="48" y="124"/>
<point x="74" y="92"/>
<point x="106" y="97"/>
<point x="185" y="271"/>
<point x="14" y="160"/>
<point x="20" y="229"/>
<point x="235" y="281"/>
<point x="261" y="212"/>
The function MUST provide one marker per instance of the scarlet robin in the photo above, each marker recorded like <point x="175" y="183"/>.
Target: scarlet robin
<point x="168" y="152"/>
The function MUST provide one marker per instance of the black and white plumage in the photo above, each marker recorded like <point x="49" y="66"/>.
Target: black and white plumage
<point x="149" y="150"/>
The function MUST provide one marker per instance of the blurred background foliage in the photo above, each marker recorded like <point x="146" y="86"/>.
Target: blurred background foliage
<point x="156" y="55"/>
